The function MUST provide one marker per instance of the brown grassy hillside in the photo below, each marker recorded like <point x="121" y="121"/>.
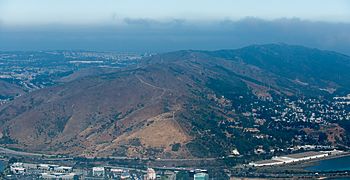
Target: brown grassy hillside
<point x="168" y="106"/>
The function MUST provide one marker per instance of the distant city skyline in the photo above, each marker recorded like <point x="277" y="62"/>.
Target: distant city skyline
<point x="96" y="12"/>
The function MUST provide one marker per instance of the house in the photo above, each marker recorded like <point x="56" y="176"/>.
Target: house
<point x="18" y="170"/>
<point x="125" y="175"/>
<point x="116" y="172"/>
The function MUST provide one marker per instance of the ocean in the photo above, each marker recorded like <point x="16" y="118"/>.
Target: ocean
<point x="335" y="164"/>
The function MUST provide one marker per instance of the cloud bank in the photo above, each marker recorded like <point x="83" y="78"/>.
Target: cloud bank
<point x="147" y="35"/>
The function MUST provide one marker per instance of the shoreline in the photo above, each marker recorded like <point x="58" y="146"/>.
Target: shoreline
<point x="313" y="162"/>
<point x="299" y="167"/>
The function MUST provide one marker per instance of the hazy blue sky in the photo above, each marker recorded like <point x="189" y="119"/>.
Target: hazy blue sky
<point x="167" y="25"/>
<point x="29" y="12"/>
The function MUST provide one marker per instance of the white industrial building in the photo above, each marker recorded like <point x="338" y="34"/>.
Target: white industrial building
<point x="22" y="168"/>
<point x="64" y="169"/>
<point x="98" y="171"/>
<point x="201" y="176"/>
<point x="61" y="176"/>
<point x="151" y="174"/>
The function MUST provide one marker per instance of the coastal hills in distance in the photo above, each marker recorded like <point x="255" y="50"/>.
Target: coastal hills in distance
<point x="260" y="99"/>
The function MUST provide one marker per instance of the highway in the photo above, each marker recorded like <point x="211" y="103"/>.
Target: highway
<point x="19" y="153"/>
<point x="4" y="150"/>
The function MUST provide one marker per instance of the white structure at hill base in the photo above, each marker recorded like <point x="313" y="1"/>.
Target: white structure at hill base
<point x="292" y="158"/>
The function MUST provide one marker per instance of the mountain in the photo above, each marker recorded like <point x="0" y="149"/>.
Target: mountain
<point x="9" y="90"/>
<point x="318" y="68"/>
<point x="184" y="104"/>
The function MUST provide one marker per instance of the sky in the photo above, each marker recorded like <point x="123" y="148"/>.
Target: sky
<point x="132" y="25"/>
<point x="26" y="12"/>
